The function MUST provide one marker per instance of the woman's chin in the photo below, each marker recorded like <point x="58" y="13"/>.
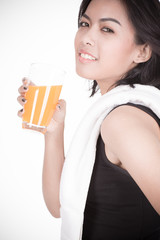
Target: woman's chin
<point x="84" y="74"/>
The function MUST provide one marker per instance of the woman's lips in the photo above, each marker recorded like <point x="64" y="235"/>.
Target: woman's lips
<point x="86" y="57"/>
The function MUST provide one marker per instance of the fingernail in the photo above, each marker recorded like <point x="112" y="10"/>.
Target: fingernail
<point x="23" y="99"/>
<point x="25" y="88"/>
<point x="58" y="106"/>
<point x="24" y="80"/>
<point x="21" y="110"/>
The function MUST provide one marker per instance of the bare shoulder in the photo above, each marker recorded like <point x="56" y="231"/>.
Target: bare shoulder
<point x="125" y="120"/>
<point x="126" y="128"/>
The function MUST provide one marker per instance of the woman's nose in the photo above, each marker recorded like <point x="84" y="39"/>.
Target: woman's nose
<point x="88" y="38"/>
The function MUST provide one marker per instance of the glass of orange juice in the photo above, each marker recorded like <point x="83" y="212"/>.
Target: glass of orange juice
<point x="41" y="99"/>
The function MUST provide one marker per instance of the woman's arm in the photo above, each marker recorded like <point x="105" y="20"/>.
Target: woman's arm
<point x="133" y="138"/>
<point x="54" y="152"/>
<point x="53" y="160"/>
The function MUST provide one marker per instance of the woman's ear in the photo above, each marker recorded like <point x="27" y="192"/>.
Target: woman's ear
<point x="144" y="54"/>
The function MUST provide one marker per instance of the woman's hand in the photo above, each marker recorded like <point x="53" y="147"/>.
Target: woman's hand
<point x="22" y="90"/>
<point x="58" y="116"/>
<point x="60" y="111"/>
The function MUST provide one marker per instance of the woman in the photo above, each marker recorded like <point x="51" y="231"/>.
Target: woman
<point x="117" y="43"/>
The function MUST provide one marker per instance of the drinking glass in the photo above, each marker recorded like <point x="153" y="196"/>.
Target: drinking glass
<point x="42" y="98"/>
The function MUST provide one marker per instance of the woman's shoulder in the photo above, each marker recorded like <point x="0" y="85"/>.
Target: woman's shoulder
<point x="127" y="120"/>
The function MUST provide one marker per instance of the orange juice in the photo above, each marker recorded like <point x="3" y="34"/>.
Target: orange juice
<point x="40" y="106"/>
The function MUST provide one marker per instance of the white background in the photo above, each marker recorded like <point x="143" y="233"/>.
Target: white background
<point x="32" y="31"/>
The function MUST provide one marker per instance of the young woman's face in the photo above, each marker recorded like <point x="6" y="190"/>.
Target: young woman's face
<point x="104" y="44"/>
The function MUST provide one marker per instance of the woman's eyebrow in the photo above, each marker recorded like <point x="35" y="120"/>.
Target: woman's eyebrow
<point x="110" y="19"/>
<point x="102" y="19"/>
<point x="86" y="16"/>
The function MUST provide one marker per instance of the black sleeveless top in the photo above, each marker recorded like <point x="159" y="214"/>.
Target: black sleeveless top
<point x="116" y="208"/>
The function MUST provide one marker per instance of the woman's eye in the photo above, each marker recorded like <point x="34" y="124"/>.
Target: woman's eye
<point x="83" y="24"/>
<point x="105" y="29"/>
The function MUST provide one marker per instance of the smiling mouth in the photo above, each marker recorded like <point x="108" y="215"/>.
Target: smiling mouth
<point x="87" y="56"/>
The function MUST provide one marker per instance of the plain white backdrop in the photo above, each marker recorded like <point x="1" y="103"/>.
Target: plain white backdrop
<point x="33" y="31"/>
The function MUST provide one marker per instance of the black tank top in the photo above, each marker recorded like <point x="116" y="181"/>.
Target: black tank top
<point x="116" y="208"/>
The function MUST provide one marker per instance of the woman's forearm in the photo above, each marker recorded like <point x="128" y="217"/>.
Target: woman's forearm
<point x="52" y="168"/>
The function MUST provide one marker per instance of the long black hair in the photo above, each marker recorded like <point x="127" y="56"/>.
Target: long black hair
<point x="144" y="15"/>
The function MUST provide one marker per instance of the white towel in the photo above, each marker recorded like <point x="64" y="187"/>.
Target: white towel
<point x="80" y="158"/>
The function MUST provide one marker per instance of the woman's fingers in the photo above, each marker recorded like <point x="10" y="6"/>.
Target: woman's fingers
<point x="21" y="100"/>
<point x="58" y="116"/>
<point x="27" y="82"/>
<point x="22" y="91"/>
<point x="20" y="113"/>
<point x="24" y="88"/>
<point x="60" y="112"/>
